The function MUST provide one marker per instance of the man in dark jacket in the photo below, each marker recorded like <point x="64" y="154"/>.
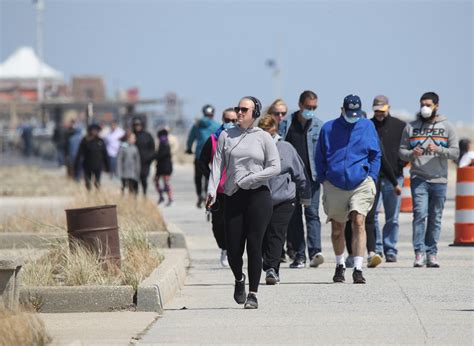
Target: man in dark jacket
<point x="390" y="131"/>
<point x="146" y="148"/>
<point x="93" y="154"/>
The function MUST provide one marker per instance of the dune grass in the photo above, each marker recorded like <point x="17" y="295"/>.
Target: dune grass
<point x="79" y="266"/>
<point x="22" y="328"/>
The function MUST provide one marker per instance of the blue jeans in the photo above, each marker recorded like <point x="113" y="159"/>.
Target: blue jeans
<point x="113" y="165"/>
<point x="391" y="204"/>
<point x="428" y="203"/>
<point x="313" y="226"/>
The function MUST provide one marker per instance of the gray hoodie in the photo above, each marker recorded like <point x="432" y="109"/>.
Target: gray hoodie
<point x="283" y="185"/>
<point x="128" y="162"/>
<point x="250" y="158"/>
<point x="431" y="167"/>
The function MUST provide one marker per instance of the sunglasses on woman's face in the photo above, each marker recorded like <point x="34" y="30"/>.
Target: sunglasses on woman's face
<point x="242" y="110"/>
<point x="230" y="120"/>
<point x="279" y="114"/>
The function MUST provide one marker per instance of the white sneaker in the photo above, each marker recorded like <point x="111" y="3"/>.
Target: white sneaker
<point x="317" y="260"/>
<point x="224" y="261"/>
<point x="420" y="260"/>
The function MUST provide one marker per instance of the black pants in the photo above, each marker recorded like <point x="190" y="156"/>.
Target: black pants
<point x="247" y="214"/>
<point x="200" y="181"/>
<point x="144" y="173"/>
<point x="131" y="185"/>
<point x="218" y="223"/>
<point x="275" y="235"/>
<point x="88" y="177"/>
<point x="369" y="227"/>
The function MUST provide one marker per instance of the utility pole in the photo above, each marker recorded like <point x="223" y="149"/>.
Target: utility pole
<point x="39" y="47"/>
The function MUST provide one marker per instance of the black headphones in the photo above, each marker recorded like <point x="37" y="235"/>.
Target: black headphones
<point x="258" y="106"/>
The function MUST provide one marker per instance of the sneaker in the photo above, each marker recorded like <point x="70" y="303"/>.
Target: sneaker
<point x="170" y="203"/>
<point x="161" y="200"/>
<point x="339" y="274"/>
<point x="420" y="259"/>
<point x="432" y="262"/>
<point x="317" y="260"/>
<point x="224" y="261"/>
<point x="251" y="302"/>
<point x="200" y="202"/>
<point x="271" y="278"/>
<point x="374" y="261"/>
<point x="357" y="277"/>
<point x="239" y="291"/>
<point x="350" y="262"/>
<point x="298" y="263"/>
<point x="391" y="258"/>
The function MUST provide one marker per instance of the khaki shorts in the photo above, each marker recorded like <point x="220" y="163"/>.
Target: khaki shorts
<point x="338" y="203"/>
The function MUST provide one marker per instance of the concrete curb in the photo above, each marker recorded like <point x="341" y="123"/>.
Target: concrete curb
<point x="163" y="283"/>
<point x="160" y="239"/>
<point x="78" y="298"/>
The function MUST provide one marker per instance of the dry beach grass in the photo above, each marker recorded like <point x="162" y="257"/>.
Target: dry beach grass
<point x="22" y="328"/>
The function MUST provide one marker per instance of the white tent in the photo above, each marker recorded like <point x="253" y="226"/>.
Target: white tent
<point x="24" y="64"/>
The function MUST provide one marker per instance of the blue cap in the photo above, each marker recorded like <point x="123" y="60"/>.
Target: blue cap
<point x="353" y="106"/>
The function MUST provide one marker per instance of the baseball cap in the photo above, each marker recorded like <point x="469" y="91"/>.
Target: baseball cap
<point x="353" y="106"/>
<point x="208" y="110"/>
<point x="380" y="103"/>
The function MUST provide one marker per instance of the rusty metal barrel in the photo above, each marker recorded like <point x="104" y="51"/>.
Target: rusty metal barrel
<point x="96" y="228"/>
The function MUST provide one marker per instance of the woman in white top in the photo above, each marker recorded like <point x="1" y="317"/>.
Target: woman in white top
<point x="250" y="158"/>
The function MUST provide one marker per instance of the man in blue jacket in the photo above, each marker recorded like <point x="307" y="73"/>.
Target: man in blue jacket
<point x="348" y="162"/>
<point x="301" y="129"/>
<point x="200" y="132"/>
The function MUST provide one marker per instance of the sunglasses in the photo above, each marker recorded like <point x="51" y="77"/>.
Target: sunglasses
<point x="230" y="120"/>
<point x="279" y="114"/>
<point x="242" y="110"/>
<point x="311" y="108"/>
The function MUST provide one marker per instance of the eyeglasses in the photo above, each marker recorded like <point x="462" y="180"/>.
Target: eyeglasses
<point x="230" y="120"/>
<point x="241" y="109"/>
<point x="279" y="114"/>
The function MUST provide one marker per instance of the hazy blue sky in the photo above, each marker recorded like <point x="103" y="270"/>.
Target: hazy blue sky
<point x="215" y="51"/>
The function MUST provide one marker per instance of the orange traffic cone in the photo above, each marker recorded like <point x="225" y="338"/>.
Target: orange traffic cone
<point x="464" y="221"/>
<point x="407" y="201"/>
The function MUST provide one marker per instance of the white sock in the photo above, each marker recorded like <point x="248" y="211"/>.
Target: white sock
<point x="358" y="262"/>
<point x="340" y="260"/>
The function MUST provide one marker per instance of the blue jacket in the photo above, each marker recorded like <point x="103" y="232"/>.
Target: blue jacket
<point x="312" y="138"/>
<point x="347" y="153"/>
<point x="200" y="132"/>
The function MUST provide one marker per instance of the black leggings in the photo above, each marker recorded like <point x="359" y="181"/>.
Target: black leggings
<point x="276" y="234"/>
<point x="247" y="214"/>
<point x="131" y="184"/>
<point x="218" y="224"/>
<point x="369" y="228"/>
<point x="88" y="177"/>
<point x="200" y="181"/>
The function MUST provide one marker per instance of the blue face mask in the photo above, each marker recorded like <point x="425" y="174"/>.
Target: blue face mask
<point x="307" y="114"/>
<point x="351" y="120"/>
<point x="228" y="125"/>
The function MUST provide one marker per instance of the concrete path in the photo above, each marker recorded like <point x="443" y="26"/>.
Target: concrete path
<point x="398" y="305"/>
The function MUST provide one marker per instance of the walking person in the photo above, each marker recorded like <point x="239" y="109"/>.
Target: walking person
<point x="112" y="140"/>
<point x="283" y="188"/>
<point x="278" y="109"/>
<point x="301" y="129"/>
<point x="466" y="154"/>
<point x="348" y="163"/>
<point x="128" y="163"/>
<point x="93" y="155"/>
<point x="229" y="118"/>
<point x="428" y="143"/>
<point x="250" y="158"/>
<point x="199" y="133"/>
<point x="74" y="171"/>
<point x="164" y="168"/>
<point x="146" y="148"/>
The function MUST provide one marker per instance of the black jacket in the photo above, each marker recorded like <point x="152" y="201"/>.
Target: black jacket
<point x="205" y="158"/>
<point x="164" y="165"/>
<point x="146" y="148"/>
<point x="93" y="154"/>
<point x="390" y="133"/>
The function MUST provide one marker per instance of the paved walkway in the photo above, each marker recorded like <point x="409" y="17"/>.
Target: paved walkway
<point x="399" y="304"/>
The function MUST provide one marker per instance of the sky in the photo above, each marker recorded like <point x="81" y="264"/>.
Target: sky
<point x="215" y="51"/>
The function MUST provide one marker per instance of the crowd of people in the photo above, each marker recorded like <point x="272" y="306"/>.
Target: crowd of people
<point x="126" y="154"/>
<point x="266" y="173"/>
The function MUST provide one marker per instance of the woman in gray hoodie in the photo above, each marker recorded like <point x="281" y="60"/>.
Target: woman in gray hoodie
<point x="128" y="163"/>
<point x="283" y="188"/>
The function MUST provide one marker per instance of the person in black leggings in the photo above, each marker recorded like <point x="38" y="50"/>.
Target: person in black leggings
<point x="250" y="157"/>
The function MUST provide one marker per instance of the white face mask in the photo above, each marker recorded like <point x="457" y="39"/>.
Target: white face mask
<point x="351" y="120"/>
<point x="426" y="112"/>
